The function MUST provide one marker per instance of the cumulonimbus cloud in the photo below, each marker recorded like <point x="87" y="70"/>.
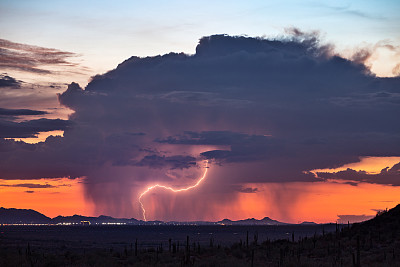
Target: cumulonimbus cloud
<point x="261" y="110"/>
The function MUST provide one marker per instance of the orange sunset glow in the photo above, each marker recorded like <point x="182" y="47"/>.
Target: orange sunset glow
<point x="51" y="197"/>
<point x="295" y="122"/>
<point x="40" y="137"/>
<point x="319" y="202"/>
<point x="296" y="202"/>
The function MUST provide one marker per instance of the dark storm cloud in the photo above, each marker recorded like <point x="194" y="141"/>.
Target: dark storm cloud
<point x="212" y="138"/>
<point x="247" y="190"/>
<point x="173" y="162"/>
<point x="10" y="129"/>
<point x="386" y="176"/>
<point x="49" y="159"/>
<point x="260" y="110"/>
<point x="8" y="81"/>
<point x="20" y="112"/>
<point x="31" y="58"/>
<point x="243" y="147"/>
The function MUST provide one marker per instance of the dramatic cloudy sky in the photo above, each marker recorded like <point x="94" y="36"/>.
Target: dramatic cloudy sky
<point x="292" y="108"/>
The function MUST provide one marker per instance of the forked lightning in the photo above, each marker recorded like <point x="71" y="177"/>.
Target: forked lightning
<point x="169" y="188"/>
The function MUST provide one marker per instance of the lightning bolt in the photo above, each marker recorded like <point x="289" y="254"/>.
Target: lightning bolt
<point x="170" y="189"/>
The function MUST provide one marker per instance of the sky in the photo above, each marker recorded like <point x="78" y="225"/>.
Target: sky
<point x="288" y="109"/>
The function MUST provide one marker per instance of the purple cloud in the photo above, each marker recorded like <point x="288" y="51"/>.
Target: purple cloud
<point x="8" y="81"/>
<point x="258" y="110"/>
<point x="386" y="176"/>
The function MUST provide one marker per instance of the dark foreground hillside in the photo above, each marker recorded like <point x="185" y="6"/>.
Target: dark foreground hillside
<point x="372" y="243"/>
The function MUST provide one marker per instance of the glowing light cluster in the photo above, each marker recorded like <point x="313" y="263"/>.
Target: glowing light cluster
<point x="170" y="189"/>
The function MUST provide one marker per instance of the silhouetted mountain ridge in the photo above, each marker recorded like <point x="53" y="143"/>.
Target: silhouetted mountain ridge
<point x="23" y="216"/>
<point x="15" y="216"/>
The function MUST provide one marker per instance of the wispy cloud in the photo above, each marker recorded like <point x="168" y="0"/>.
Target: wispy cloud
<point x="20" y="112"/>
<point x="348" y="10"/>
<point x="32" y="58"/>
<point x="27" y="185"/>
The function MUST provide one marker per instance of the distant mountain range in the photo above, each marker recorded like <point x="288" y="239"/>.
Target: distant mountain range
<point x="25" y="216"/>
<point x="10" y="216"/>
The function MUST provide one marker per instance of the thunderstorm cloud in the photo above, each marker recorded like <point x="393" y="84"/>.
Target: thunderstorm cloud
<point x="258" y="110"/>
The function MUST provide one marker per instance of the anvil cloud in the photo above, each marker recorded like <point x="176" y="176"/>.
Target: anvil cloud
<point x="258" y="110"/>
